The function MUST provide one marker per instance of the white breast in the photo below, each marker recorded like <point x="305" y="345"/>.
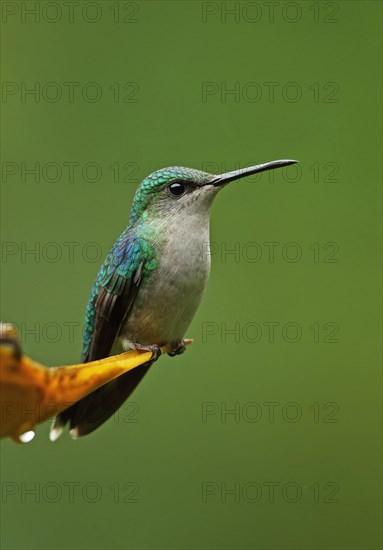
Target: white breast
<point x="167" y="302"/>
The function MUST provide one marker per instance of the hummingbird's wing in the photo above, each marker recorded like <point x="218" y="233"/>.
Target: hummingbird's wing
<point x="110" y="303"/>
<point x="112" y="306"/>
<point x="113" y="295"/>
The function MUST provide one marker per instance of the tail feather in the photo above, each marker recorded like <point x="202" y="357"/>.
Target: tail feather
<point x="89" y="413"/>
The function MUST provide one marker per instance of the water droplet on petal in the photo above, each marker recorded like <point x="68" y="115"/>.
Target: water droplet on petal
<point x="26" y="437"/>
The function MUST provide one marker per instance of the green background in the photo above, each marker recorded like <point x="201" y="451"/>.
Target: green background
<point x="169" y="453"/>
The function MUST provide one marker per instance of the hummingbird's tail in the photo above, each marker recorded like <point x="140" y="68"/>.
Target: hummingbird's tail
<point x="89" y="413"/>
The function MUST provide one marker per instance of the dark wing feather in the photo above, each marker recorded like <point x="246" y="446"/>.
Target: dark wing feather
<point x="112" y="306"/>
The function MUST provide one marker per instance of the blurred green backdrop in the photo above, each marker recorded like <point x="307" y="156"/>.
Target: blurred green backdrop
<point x="288" y="335"/>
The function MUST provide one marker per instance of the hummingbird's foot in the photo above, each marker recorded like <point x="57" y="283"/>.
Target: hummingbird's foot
<point x="149" y="347"/>
<point x="178" y="348"/>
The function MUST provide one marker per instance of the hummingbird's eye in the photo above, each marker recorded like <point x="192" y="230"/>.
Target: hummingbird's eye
<point x="176" y="189"/>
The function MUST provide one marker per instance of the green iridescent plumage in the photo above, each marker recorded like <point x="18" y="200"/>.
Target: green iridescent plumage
<point x="157" y="181"/>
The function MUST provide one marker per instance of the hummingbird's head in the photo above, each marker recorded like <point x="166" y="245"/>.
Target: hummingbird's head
<point x="175" y="189"/>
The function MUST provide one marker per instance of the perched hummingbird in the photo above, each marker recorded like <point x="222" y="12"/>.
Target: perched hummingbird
<point x="151" y="283"/>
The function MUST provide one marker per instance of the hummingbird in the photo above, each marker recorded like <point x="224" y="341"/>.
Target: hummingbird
<point x="151" y="282"/>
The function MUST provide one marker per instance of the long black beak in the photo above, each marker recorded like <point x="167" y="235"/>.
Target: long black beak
<point x="243" y="172"/>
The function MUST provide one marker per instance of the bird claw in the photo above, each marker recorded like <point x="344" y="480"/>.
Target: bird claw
<point x="178" y="349"/>
<point x="153" y="348"/>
